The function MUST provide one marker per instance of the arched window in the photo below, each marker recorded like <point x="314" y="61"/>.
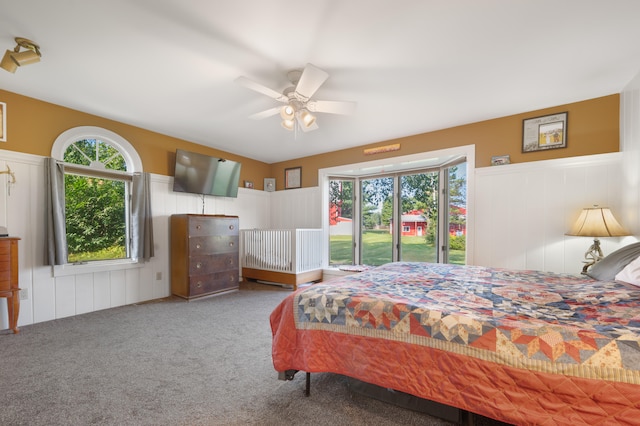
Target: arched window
<point x="101" y="203"/>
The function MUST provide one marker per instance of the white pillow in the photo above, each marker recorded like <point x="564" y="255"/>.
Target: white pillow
<point x="631" y="273"/>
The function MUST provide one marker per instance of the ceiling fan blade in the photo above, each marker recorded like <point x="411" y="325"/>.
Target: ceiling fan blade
<point x="310" y="81"/>
<point x="250" y="84"/>
<point x="266" y="113"/>
<point x="332" y="107"/>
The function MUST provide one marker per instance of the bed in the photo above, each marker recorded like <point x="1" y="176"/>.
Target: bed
<point x="523" y="347"/>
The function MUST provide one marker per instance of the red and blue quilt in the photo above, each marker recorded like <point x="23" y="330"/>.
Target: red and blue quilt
<point x="526" y="347"/>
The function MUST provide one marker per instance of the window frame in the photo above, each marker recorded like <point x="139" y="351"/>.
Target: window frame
<point x="401" y="164"/>
<point x="134" y="165"/>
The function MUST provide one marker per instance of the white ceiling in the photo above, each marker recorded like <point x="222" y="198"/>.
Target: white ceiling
<point x="412" y="66"/>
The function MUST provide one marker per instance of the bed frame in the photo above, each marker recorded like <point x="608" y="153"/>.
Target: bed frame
<point x="284" y="256"/>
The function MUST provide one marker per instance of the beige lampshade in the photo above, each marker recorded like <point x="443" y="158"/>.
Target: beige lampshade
<point x="288" y="124"/>
<point x="597" y="222"/>
<point x="307" y="118"/>
<point x="287" y="112"/>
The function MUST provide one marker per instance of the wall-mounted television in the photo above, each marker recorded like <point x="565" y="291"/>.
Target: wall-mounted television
<point x="202" y="174"/>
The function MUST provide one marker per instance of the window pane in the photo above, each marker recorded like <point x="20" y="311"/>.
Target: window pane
<point x="419" y="215"/>
<point x="95" y="153"/>
<point x="457" y="214"/>
<point x="376" y="215"/>
<point x="340" y="222"/>
<point x="95" y="218"/>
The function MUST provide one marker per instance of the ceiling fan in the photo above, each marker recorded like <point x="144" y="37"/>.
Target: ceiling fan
<point x="299" y="106"/>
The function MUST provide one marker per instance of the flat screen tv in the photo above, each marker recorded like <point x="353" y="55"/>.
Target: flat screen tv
<point x="202" y="174"/>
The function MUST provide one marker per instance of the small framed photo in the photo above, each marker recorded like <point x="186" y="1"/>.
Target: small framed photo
<point x="3" y="122"/>
<point x="248" y="184"/>
<point x="499" y="160"/>
<point x="293" y="178"/>
<point x="269" y="184"/>
<point x="546" y="132"/>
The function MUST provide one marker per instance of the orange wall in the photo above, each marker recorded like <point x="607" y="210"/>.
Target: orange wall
<point x="593" y="128"/>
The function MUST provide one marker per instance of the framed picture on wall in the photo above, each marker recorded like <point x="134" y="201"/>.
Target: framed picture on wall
<point x="499" y="160"/>
<point x="3" y="122"/>
<point x="269" y="184"/>
<point x="546" y="132"/>
<point x="293" y="178"/>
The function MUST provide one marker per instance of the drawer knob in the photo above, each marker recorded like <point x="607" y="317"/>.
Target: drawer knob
<point x="198" y="246"/>
<point x="231" y="227"/>
<point x="199" y="284"/>
<point x="231" y="244"/>
<point x="198" y="265"/>
<point x="198" y="226"/>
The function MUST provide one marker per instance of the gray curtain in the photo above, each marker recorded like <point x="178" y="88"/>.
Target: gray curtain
<point x="142" y="225"/>
<point x="55" y="231"/>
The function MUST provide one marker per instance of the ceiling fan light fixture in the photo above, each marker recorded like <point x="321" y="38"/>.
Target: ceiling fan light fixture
<point x="287" y="112"/>
<point x="288" y="124"/>
<point x="307" y="118"/>
<point x="297" y="108"/>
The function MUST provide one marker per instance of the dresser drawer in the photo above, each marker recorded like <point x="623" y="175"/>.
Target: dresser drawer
<point x="211" y="283"/>
<point x="213" y="245"/>
<point x="200" y="226"/>
<point x="206" y="264"/>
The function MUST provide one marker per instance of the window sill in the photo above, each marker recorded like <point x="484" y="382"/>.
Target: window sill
<point x="93" y="267"/>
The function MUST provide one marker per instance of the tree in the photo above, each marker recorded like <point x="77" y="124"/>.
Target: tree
<point x="94" y="205"/>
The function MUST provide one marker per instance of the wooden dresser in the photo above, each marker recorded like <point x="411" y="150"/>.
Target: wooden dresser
<point x="9" y="279"/>
<point x="204" y="255"/>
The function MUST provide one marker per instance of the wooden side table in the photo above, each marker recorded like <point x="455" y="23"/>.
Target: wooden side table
<point x="9" y="279"/>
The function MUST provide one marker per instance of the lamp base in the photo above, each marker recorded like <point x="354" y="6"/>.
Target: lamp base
<point x="593" y="255"/>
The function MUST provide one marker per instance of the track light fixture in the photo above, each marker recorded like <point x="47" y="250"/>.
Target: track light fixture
<point x="13" y="59"/>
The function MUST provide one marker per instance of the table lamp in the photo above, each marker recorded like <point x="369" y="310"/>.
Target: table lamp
<point x="596" y="222"/>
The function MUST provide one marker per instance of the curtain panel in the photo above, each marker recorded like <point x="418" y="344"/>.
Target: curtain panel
<point x="55" y="229"/>
<point x="141" y="218"/>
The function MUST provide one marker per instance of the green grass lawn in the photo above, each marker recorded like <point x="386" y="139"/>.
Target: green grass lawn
<point x="377" y="249"/>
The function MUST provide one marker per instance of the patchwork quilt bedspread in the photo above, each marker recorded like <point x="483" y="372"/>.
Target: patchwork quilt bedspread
<point x="526" y="347"/>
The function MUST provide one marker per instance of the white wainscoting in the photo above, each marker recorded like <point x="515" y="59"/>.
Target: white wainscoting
<point x="49" y="297"/>
<point x="630" y="145"/>
<point x="296" y="208"/>
<point x="523" y="210"/>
